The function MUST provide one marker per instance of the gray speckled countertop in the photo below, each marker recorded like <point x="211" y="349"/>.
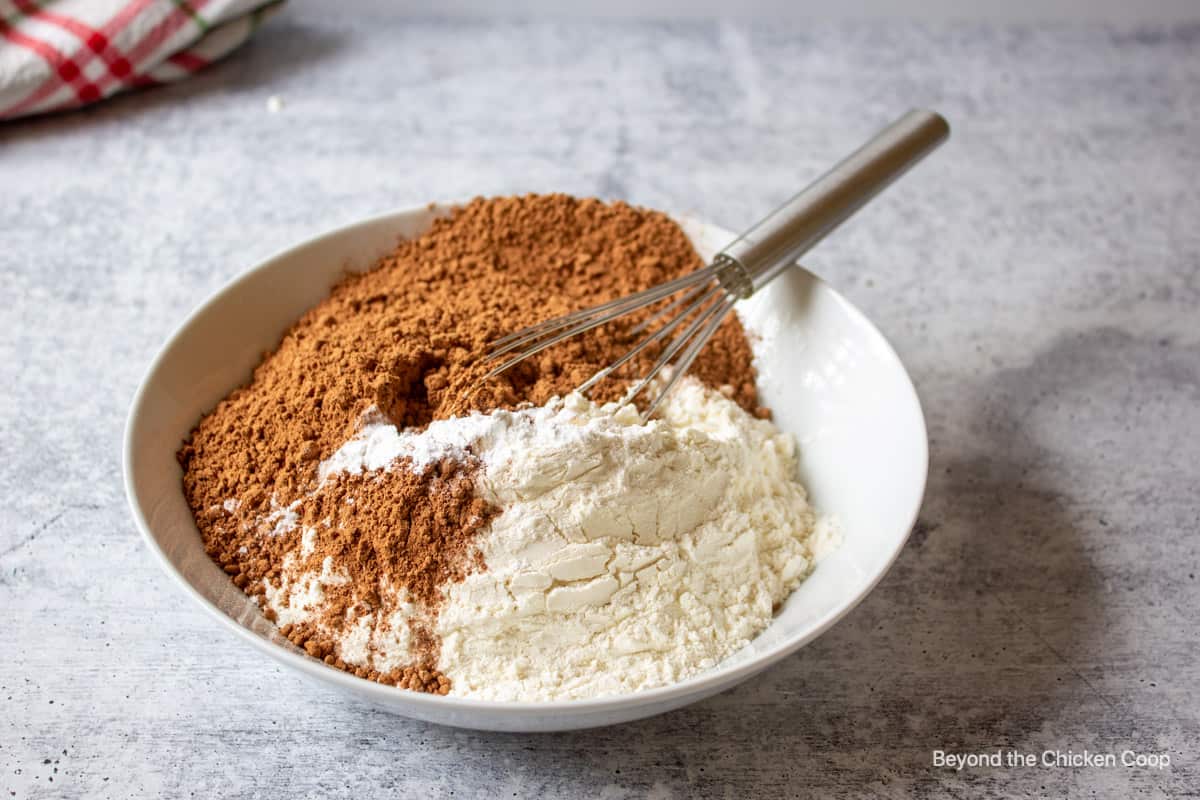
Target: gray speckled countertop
<point x="1040" y="276"/>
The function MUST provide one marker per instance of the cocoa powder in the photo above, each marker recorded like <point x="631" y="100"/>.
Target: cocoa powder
<point x="407" y="338"/>
<point x="401" y="529"/>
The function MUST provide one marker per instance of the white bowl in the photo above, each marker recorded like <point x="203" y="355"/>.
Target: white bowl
<point x="829" y="375"/>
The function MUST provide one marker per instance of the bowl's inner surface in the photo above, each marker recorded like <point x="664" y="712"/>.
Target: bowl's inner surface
<point x="829" y="376"/>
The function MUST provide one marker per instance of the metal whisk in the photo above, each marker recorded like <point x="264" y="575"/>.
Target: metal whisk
<point x="743" y="267"/>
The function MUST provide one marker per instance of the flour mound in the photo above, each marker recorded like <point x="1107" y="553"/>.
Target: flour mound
<point x="626" y="555"/>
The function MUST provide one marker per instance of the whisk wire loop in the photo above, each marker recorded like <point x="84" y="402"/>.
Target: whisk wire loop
<point x="724" y="306"/>
<point x="652" y="338"/>
<point x="704" y="299"/>
<point x="610" y="310"/>
<point x="712" y="315"/>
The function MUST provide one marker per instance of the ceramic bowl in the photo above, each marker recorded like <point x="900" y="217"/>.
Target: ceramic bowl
<point x="829" y="375"/>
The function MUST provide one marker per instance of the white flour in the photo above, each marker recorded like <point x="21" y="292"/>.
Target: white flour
<point x="626" y="556"/>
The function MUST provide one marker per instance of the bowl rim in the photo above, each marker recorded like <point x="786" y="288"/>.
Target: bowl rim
<point x="727" y="676"/>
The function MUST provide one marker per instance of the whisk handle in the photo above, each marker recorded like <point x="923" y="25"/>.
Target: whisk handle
<point x="791" y="230"/>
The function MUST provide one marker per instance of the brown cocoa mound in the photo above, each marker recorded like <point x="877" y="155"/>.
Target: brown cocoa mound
<point x="407" y="338"/>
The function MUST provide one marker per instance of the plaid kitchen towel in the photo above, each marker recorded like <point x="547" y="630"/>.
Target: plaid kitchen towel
<point x="57" y="54"/>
